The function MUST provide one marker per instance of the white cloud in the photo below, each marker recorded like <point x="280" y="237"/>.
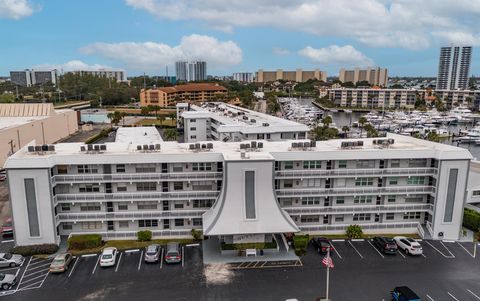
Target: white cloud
<point x="280" y="51"/>
<point x="346" y="56"/>
<point x="15" y="9"/>
<point x="379" y="23"/>
<point x="151" y="56"/>
<point x="70" y="66"/>
<point x="458" y="37"/>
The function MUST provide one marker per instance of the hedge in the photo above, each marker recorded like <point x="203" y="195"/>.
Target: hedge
<point x="354" y="231"/>
<point x="300" y="242"/>
<point x="145" y="235"/>
<point x="84" y="241"/>
<point x="35" y="249"/>
<point x="471" y="219"/>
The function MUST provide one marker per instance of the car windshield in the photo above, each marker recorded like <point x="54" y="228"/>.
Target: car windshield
<point x="151" y="253"/>
<point x="7" y="256"/>
<point x="2" y="276"/>
<point x="172" y="254"/>
<point x="107" y="256"/>
<point x="58" y="261"/>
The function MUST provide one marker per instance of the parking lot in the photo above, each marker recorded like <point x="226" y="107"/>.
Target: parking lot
<point x="447" y="271"/>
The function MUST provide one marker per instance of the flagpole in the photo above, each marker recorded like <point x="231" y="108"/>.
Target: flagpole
<point x="328" y="273"/>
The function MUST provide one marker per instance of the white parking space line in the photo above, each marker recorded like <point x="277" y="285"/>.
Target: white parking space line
<point x="451" y="254"/>
<point x="34" y="273"/>
<point x="89" y="255"/>
<point x="37" y="263"/>
<point x="74" y="265"/>
<point x="430" y="298"/>
<point x="399" y="251"/>
<point x="192" y="245"/>
<point x="336" y="252"/>
<point x="375" y="249"/>
<point x="9" y="269"/>
<point x="473" y="294"/>
<point x="161" y="259"/>
<point x="183" y="256"/>
<point x="132" y="251"/>
<point x="359" y="254"/>
<point x="95" y="267"/>
<point x="39" y="266"/>
<point x="441" y="253"/>
<point x="468" y="252"/>
<point x="338" y="240"/>
<point x="454" y="298"/>
<point x="26" y="268"/>
<point x="5" y="241"/>
<point x="118" y="263"/>
<point x="140" y="260"/>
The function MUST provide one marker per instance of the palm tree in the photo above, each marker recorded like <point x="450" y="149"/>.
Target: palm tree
<point x="145" y="111"/>
<point x="345" y="130"/>
<point x="161" y="119"/>
<point x="170" y="134"/>
<point x="122" y="117"/>
<point x="111" y="116"/>
<point x="362" y="121"/>
<point x="327" y="120"/>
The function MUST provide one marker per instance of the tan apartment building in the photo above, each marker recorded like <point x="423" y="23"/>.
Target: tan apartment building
<point x="298" y="75"/>
<point x="168" y="96"/>
<point x="374" y="76"/>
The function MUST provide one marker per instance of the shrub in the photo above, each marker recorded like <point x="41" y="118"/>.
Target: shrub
<point x="471" y="219"/>
<point x="145" y="235"/>
<point x="35" y="249"/>
<point x="354" y="231"/>
<point x="197" y="234"/>
<point x="84" y="241"/>
<point x="300" y="242"/>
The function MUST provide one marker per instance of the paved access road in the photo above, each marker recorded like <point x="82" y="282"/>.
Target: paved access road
<point x="449" y="271"/>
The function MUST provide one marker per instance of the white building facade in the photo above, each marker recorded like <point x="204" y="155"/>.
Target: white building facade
<point x="454" y="67"/>
<point x="117" y="74"/>
<point x="243" y="77"/>
<point x="191" y="71"/>
<point x="234" y="190"/>
<point x="30" y="77"/>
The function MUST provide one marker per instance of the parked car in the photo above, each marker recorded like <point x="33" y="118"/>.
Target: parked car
<point x="152" y="253"/>
<point x="11" y="260"/>
<point x="322" y="245"/>
<point x="7" y="228"/>
<point x="385" y="244"/>
<point x="7" y="281"/>
<point x="60" y="263"/>
<point x="108" y="257"/>
<point x="408" y="245"/>
<point x="403" y="293"/>
<point x="173" y="253"/>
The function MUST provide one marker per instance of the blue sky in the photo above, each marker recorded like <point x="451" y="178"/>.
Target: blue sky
<point x="235" y="36"/>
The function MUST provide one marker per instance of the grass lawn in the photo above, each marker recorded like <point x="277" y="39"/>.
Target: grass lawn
<point x="167" y="122"/>
<point x="129" y="244"/>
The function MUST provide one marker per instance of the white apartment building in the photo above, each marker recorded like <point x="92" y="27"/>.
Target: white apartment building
<point x="243" y="77"/>
<point x="118" y="74"/>
<point x="191" y="71"/>
<point x="374" y="98"/>
<point x="30" y="77"/>
<point x="454" y="67"/>
<point x="237" y="191"/>
<point x="224" y="122"/>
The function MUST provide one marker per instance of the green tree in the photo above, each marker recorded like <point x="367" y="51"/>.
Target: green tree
<point x="327" y="121"/>
<point x="7" y="97"/>
<point x="145" y="111"/>
<point x="170" y="134"/>
<point x="161" y="119"/>
<point x="432" y="136"/>
<point x="345" y="129"/>
<point x="354" y="231"/>
<point x="324" y="133"/>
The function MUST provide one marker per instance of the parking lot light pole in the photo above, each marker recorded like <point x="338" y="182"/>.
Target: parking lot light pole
<point x="328" y="275"/>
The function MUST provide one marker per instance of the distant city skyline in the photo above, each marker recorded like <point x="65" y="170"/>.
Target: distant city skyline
<point x="147" y="36"/>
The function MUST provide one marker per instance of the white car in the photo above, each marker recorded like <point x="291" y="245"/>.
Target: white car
<point x="408" y="245"/>
<point x="108" y="257"/>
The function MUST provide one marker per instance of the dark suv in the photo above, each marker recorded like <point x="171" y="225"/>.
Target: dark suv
<point x="322" y="244"/>
<point x="385" y="244"/>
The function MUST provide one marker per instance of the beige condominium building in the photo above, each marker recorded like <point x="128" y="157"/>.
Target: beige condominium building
<point x="167" y="96"/>
<point x="298" y="75"/>
<point x="374" y="76"/>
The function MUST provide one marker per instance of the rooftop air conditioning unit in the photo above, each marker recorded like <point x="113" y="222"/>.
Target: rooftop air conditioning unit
<point x="51" y="148"/>
<point x="294" y="144"/>
<point x="103" y="147"/>
<point x="313" y="143"/>
<point x="145" y="147"/>
<point x="157" y="146"/>
<point x="90" y="147"/>
<point x="265" y="124"/>
<point x="242" y="146"/>
<point x="204" y="146"/>
<point x="197" y="145"/>
<point x="209" y="145"/>
<point x="139" y="147"/>
<point x="31" y="148"/>
<point x="191" y="147"/>
<point x="253" y="120"/>
<point x="38" y="148"/>
<point x="44" y="148"/>
<point x="260" y="145"/>
<point x="151" y="147"/>
<point x="254" y="144"/>
<point x="82" y="148"/>
<point x="97" y="147"/>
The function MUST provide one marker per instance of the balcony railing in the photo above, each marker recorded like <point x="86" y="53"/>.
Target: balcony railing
<point x="136" y="177"/>
<point x="137" y="196"/>
<point x="311" y="173"/>
<point x="133" y="234"/>
<point x="131" y="215"/>
<point x="358" y="190"/>
<point x="359" y="209"/>
<point x="370" y="226"/>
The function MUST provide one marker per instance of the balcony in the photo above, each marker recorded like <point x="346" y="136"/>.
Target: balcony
<point x="131" y="215"/>
<point x="136" y="177"/>
<point x="136" y="196"/>
<point x="133" y="234"/>
<point x="369" y="226"/>
<point x="315" y="173"/>
<point x="357" y="190"/>
<point x="359" y="209"/>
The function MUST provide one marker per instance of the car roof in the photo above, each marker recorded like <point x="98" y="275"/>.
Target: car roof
<point x="61" y="256"/>
<point x="109" y="250"/>
<point x="152" y="247"/>
<point x="407" y="292"/>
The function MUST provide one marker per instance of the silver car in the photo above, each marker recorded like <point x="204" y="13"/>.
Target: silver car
<point x="11" y="260"/>
<point x="152" y="253"/>
<point x="7" y="281"/>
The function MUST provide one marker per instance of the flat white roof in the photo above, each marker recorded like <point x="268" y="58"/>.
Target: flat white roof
<point x="11" y="122"/>
<point x="138" y="135"/>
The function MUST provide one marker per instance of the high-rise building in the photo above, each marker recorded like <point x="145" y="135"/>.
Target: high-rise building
<point x="191" y="71"/>
<point x="118" y="74"/>
<point x="298" y="75"/>
<point x="453" y="67"/>
<point x="374" y="76"/>
<point x="243" y="77"/>
<point x="30" y="77"/>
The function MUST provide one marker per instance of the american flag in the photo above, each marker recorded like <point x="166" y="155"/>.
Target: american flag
<point x="328" y="262"/>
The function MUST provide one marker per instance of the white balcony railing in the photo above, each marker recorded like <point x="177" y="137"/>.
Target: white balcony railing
<point x="136" y="196"/>
<point x="358" y="190"/>
<point x="369" y="226"/>
<point x="311" y="173"/>
<point x="359" y="209"/>
<point x="133" y="234"/>
<point x="131" y="215"/>
<point x="136" y="177"/>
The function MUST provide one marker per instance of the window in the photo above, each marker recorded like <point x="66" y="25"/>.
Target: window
<point x="91" y="225"/>
<point x="311" y="183"/>
<point x="122" y="207"/>
<point x="249" y="194"/>
<point x="146" y="186"/>
<point x="417" y="163"/>
<point x="362" y="199"/>
<point x="147" y="223"/>
<point x="416" y="180"/>
<point x="121" y="187"/>
<point x="311" y="201"/>
<point x="287" y="183"/>
<point x="193" y="128"/>
<point x="393" y="181"/>
<point x="179" y="222"/>
<point x="287" y="202"/>
<point x="177" y="185"/>
<point x="65" y="207"/>
<point x="312" y="164"/>
<point x="202" y="203"/>
<point x="288" y="165"/>
<point x="339" y="218"/>
<point x="62" y="169"/>
<point x="202" y="185"/>
<point x="87" y="169"/>
<point x="123" y="224"/>
<point x="147" y="205"/>
<point x="450" y="201"/>
<point x="178" y="205"/>
<point x="90" y="207"/>
<point x="202" y="166"/>
<point x="193" y="137"/>
<point x="197" y="221"/>
<point x="310" y="219"/>
<point x="391" y="199"/>
<point x="177" y="168"/>
<point x="145" y="168"/>
<point x="120" y="167"/>
<point x="67" y="226"/>
<point x="362" y="217"/>
<point x="363" y="181"/>
<point x="390" y="216"/>
<point x="415" y="199"/>
<point x="412" y="215"/>
<point x="340" y="200"/>
<point x="395" y="163"/>
<point x="365" y="164"/>
<point x="88" y="188"/>
<point x="193" y="120"/>
<point x="476" y="193"/>
<point x="342" y="164"/>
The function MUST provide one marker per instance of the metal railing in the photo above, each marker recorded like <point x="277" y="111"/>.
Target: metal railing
<point x="132" y="215"/>
<point x="429" y="228"/>
<point x="364" y="226"/>
<point x="420" y="230"/>
<point x="137" y="196"/>
<point x="133" y="234"/>
<point x="359" y="209"/>
<point x="120" y="177"/>
<point x="305" y="173"/>
<point x="358" y="190"/>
